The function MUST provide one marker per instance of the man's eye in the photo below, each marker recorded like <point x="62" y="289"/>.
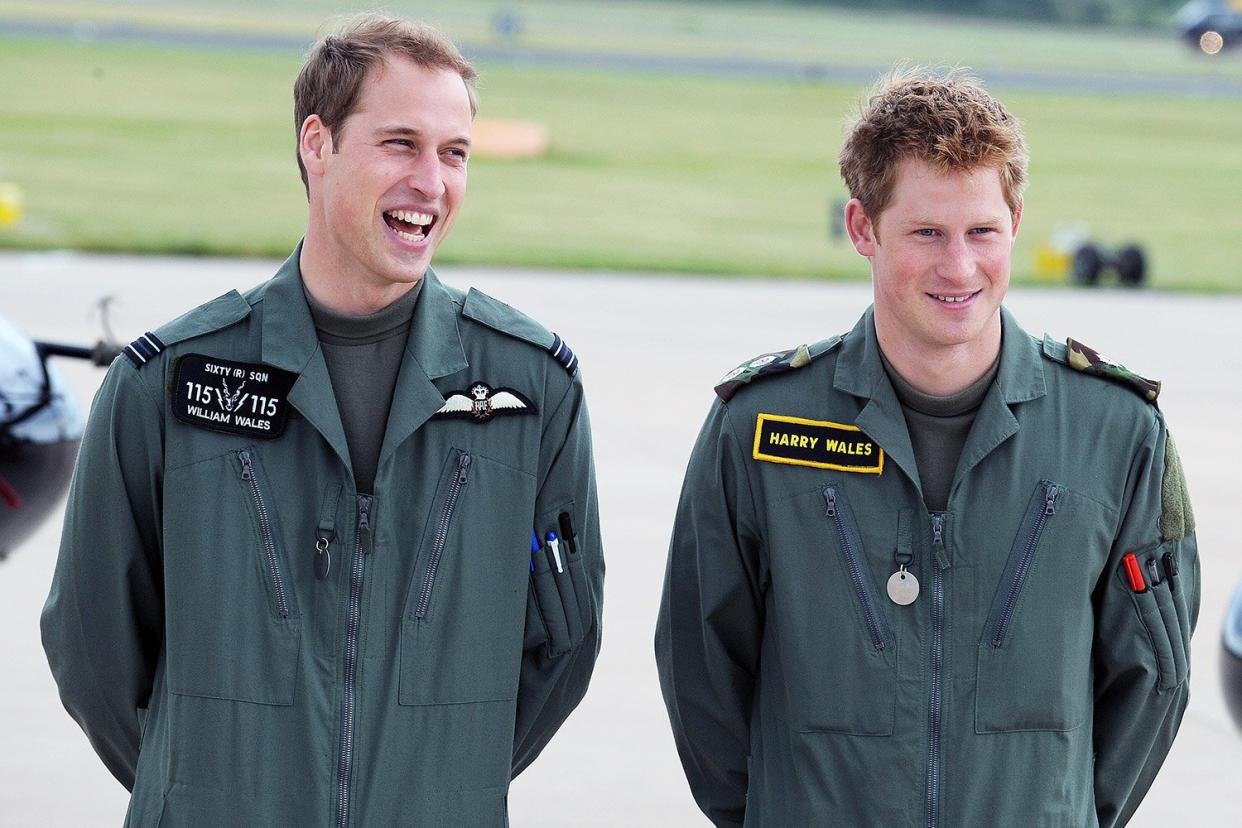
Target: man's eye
<point x="458" y="154"/>
<point x="401" y="142"/>
<point x="926" y="232"/>
<point x="981" y="231"/>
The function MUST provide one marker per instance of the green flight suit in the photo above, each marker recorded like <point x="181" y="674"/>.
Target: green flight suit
<point x="226" y="680"/>
<point x="1028" y="684"/>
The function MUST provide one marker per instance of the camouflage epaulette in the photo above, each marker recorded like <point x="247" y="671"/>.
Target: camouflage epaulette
<point x="1090" y="361"/>
<point x="765" y="365"/>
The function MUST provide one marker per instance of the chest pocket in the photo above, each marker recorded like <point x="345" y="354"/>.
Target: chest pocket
<point x="838" y="651"/>
<point x="234" y="634"/>
<point x="464" y="615"/>
<point x="1034" y="654"/>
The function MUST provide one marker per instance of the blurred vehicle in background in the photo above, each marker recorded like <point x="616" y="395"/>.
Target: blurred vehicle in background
<point x="1211" y="25"/>
<point x="40" y="428"/>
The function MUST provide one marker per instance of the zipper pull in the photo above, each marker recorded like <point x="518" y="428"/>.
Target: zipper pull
<point x="830" y="495"/>
<point x="323" y="557"/>
<point x="364" y="513"/>
<point x="1050" y="497"/>
<point x="463" y="468"/>
<point x="938" y="549"/>
<point x="247" y="468"/>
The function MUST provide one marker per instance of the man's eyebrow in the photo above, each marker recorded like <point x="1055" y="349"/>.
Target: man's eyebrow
<point x="396" y="130"/>
<point x="927" y="222"/>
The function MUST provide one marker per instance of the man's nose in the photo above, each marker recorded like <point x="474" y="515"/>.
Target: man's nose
<point x="424" y="176"/>
<point x="958" y="262"/>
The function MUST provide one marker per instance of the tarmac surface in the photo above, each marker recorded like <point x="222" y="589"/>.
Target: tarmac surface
<point x="651" y="350"/>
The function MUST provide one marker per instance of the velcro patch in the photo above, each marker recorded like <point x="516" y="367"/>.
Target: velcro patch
<point x="817" y="443"/>
<point x="234" y="397"/>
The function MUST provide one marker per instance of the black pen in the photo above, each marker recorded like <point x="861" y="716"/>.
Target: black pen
<point x="567" y="533"/>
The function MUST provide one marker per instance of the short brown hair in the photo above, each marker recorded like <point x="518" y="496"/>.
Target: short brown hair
<point x="330" y="82"/>
<point x="944" y="118"/>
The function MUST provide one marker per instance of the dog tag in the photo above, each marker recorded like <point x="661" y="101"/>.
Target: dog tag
<point x="903" y="587"/>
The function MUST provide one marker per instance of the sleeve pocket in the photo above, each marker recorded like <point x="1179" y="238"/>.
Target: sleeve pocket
<point x="1159" y="616"/>
<point x="556" y="592"/>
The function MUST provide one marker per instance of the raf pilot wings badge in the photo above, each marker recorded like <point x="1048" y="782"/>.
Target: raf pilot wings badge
<point x="481" y="402"/>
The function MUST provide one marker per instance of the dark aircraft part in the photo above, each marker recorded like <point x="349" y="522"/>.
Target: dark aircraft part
<point x="1087" y="265"/>
<point x="1092" y="261"/>
<point x="33" y="477"/>
<point x="1231" y="658"/>
<point x="40" y="428"/>
<point x="1131" y="265"/>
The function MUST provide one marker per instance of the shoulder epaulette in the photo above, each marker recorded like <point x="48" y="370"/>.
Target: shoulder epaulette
<point x="211" y="316"/>
<point x="509" y="320"/>
<point x="766" y="365"/>
<point x="1083" y="358"/>
<point x="143" y="349"/>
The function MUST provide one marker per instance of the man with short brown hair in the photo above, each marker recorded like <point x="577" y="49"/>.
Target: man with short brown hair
<point x="331" y="554"/>
<point x="934" y="571"/>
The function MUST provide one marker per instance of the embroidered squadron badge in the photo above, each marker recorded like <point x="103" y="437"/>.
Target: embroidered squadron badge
<point x="816" y="443"/>
<point x="233" y="397"/>
<point x="482" y="402"/>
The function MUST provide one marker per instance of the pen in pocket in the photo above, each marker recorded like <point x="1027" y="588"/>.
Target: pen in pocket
<point x="567" y="533"/>
<point x="554" y="544"/>
<point x="1134" y="573"/>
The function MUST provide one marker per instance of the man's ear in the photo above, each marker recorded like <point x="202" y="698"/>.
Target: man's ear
<point x="861" y="229"/>
<point x="314" y="143"/>
<point x="1017" y="219"/>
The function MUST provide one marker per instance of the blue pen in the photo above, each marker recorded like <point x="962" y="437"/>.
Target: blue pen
<point x="534" y="548"/>
<point x="555" y="545"/>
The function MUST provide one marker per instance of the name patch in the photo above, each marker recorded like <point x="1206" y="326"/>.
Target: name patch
<point x="816" y="443"/>
<point x="234" y="397"/>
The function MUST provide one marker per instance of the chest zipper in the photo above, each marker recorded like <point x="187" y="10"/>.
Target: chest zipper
<point x="871" y="615"/>
<point x="1030" y="544"/>
<point x="441" y="536"/>
<point x="249" y="475"/>
<point x="349" y="692"/>
<point x="935" y="697"/>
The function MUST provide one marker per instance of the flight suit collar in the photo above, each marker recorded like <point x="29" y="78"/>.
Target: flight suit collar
<point x="433" y="349"/>
<point x="860" y="372"/>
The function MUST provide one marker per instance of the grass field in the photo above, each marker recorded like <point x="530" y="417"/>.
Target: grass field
<point x="141" y="147"/>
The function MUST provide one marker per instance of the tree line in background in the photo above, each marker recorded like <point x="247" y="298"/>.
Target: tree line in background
<point x="1132" y="13"/>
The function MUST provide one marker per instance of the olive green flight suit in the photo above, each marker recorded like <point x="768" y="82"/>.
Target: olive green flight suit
<point x="248" y="641"/>
<point x="1028" y="684"/>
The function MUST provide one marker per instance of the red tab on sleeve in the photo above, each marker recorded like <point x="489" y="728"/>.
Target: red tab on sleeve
<point x="1134" y="573"/>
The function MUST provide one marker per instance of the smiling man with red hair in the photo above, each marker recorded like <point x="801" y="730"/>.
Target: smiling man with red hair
<point x="934" y="571"/>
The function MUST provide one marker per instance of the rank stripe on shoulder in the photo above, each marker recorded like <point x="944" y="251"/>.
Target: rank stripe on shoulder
<point x="820" y="444"/>
<point x="143" y="349"/>
<point x="561" y="353"/>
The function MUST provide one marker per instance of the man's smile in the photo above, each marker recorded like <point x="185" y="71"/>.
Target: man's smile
<point x="410" y="225"/>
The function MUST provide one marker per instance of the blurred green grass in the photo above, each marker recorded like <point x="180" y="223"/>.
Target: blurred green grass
<point x="182" y="150"/>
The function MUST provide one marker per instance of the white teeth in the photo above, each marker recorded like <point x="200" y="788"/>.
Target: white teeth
<point x="412" y="218"/>
<point x="410" y="236"/>
<point x="951" y="298"/>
